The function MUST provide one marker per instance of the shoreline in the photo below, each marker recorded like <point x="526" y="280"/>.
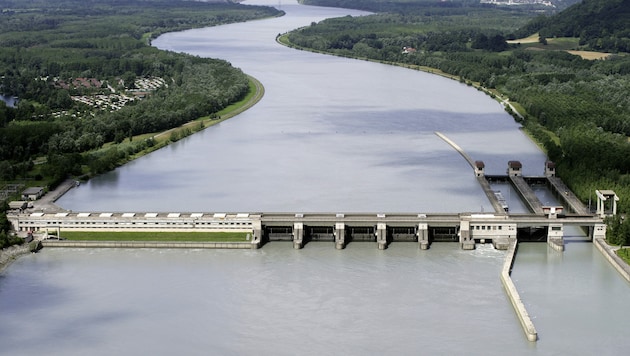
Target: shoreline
<point x="283" y="39"/>
<point x="201" y="123"/>
<point x="608" y="252"/>
<point x="12" y="253"/>
<point x="47" y="202"/>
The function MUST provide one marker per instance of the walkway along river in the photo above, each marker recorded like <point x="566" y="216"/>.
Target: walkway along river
<point x="330" y="134"/>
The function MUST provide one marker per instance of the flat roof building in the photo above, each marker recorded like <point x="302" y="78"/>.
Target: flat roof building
<point x="32" y="193"/>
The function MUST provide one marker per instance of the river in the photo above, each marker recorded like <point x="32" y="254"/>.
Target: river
<point x="330" y="134"/>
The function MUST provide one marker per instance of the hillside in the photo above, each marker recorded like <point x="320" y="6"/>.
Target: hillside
<point x="602" y="25"/>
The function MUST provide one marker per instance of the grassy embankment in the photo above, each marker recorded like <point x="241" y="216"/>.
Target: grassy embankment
<point x="162" y="139"/>
<point x="159" y="236"/>
<point x="624" y="254"/>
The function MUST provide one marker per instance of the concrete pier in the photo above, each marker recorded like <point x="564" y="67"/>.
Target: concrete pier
<point x="555" y="236"/>
<point x="257" y="234"/>
<point x="492" y="198"/>
<point x="465" y="239"/>
<point x="468" y="159"/>
<point x="298" y="235"/>
<point x="513" y="296"/>
<point x="423" y="236"/>
<point x="610" y="255"/>
<point x="528" y="195"/>
<point x="340" y="236"/>
<point x="566" y="195"/>
<point x="381" y="235"/>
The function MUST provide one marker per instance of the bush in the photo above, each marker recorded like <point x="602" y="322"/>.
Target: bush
<point x="6" y="240"/>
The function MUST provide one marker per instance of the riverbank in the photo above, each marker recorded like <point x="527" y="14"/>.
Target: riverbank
<point x="257" y="91"/>
<point x="283" y="39"/>
<point x="609" y="253"/>
<point x="164" y="138"/>
<point x="10" y="254"/>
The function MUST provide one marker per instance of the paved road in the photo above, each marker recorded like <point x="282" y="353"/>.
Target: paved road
<point x="47" y="202"/>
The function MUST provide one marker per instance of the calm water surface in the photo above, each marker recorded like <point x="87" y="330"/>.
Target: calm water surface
<point x="270" y="301"/>
<point x="331" y="134"/>
<point x="314" y="301"/>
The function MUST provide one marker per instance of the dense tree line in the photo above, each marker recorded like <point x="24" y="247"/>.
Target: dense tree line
<point x="44" y="43"/>
<point x="6" y="240"/>
<point x="618" y="231"/>
<point x="578" y="109"/>
<point x="424" y="6"/>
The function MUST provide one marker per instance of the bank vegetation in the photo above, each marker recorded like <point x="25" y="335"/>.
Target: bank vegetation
<point x="93" y="93"/>
<point x="87" y="78"/>
<point x="577" y="109"/>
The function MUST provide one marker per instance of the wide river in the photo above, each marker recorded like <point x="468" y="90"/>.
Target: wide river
<point x="331" y="134"/>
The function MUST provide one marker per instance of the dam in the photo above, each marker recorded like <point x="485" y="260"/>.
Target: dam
<point x="545" y="223"/>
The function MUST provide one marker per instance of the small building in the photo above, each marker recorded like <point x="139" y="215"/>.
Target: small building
<point x="18" y="205"/>
<point x="606" y="203"/>
<point x="515" y="169"/>
<point x="550" y="169"/>
<point x="552" y="212"/>
<point x="479" y="168"/>
<point x="32" y="193"/>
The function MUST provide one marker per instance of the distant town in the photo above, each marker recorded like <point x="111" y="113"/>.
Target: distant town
<point x="109" y="99"/>
<point x="519" y="2"/>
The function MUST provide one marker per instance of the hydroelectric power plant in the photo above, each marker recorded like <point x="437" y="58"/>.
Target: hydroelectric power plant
<point x="543" y="223"/>
<point x="502" y="228"/>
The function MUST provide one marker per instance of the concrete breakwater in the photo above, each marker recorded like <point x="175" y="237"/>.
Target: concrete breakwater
<point x="515" y="298"/>
<point x="613" y="259"/>
<point x="147" y="244"/>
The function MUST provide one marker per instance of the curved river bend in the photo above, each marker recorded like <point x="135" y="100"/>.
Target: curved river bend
<point x="331" y="134"/>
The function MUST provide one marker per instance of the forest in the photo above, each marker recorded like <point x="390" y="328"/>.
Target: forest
<point x="577" y="109"/>
<point x="60" y="57"/>
<point x="52" y="53"/>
